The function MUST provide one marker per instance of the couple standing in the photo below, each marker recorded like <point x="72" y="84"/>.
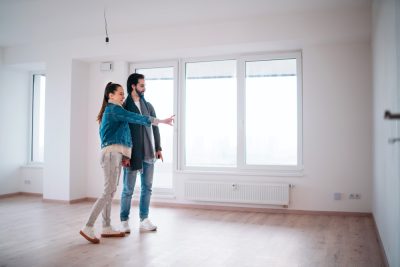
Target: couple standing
<point x="130" y="138"/>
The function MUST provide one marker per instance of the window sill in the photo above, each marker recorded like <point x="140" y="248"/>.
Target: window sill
<point x="32" y="166"/>
<point x="260" y="172"/>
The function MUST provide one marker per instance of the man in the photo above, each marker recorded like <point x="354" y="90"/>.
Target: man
<point x="145" y="150"/>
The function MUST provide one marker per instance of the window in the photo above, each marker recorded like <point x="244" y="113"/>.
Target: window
<point x="37" y="126"/>
<point x="242" y="114"/>
<point x="160" y="87"/>
<point x="211" y="121"/>
<point x="271" y="112"/>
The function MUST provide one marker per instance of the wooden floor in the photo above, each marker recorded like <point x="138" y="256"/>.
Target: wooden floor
<point x="36" y="233"/>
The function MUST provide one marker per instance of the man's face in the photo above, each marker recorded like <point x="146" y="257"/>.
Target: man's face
<point x="141" y="87"/>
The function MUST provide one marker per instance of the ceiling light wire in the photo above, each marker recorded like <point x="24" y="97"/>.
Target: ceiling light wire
<point x="105" y="25"/>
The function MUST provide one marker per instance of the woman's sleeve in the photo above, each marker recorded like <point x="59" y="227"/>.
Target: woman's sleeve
<point x="123" y="115"/>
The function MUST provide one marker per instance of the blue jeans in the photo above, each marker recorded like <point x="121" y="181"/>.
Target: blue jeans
<point x="145" y="193"/>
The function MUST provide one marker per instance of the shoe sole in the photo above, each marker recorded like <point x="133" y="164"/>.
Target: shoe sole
<point x="88" y="238"/>
<point x="122" y="234"/>
<point x="148" y="230"/>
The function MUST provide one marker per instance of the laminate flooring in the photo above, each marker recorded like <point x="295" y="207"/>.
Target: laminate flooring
<point x="37" y="233"/>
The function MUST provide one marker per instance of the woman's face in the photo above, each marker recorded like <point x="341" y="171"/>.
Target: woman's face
<point x="117" y="96"/>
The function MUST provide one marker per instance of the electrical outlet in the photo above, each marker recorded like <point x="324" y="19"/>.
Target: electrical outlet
<point x="337" y="196"/>
<point x="354" y="196"/>
<point x="27" y="181"/>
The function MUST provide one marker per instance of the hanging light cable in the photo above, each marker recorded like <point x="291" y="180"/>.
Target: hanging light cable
<point x="105" y="25"/>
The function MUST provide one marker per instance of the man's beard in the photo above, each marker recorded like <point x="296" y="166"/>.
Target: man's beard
<point x="139" y="93"/>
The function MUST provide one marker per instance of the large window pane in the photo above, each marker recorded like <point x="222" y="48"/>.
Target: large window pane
<point x="160" y="93"/>
<point x="271" y="112"/>
<point x="38" y="104"/>
<point x="211" y="116"/>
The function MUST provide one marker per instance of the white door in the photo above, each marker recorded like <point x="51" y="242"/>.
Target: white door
<point x="386" y="60"/>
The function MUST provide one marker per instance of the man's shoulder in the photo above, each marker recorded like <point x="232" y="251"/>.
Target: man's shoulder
<point x="129" y="104"/>
<point x="150" y="105"/>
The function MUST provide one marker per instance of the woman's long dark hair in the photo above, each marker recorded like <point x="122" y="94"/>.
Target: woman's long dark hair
<point x="110" y="88"/>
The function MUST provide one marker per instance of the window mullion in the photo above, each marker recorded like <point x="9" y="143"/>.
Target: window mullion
<point x="299" y="109"/>
<point x="181" y="124"/>
<point x="241" y="114"/>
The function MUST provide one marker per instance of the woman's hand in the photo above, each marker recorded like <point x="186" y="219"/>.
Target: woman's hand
<point x="169" y="121"/>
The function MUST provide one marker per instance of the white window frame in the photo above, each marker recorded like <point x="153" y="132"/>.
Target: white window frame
<point x="30" y="161"/>
<point x="181" y="167"/>
<point x="164" y="192"/>
<point x="242" y="168"/>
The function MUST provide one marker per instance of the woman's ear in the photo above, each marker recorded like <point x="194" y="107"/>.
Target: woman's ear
<point x="110" y="95"/>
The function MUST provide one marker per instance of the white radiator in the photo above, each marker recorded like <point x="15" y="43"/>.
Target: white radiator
<point x="260" y="193"/>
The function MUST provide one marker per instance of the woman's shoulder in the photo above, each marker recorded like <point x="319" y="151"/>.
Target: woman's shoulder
<point x="112" y="108"/>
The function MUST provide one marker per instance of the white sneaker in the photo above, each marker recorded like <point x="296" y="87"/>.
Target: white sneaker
<point x="111" y="232"/>
<point x="125" y="227"/>
<point x="88" y="233"/>
<point x="147" y="225"/>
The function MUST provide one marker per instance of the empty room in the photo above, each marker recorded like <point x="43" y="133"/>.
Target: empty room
<point x="200" y="133"/>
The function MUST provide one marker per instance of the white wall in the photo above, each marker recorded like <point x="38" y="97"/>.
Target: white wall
<point x="386" y="73"/>
<point x="56" y="172"/>
<point x="337" y="126"/>
<point x="337" y="96"/>
<point x="31" y="179"/>
<point x="79" y="123"/>
<point x="14" y="118"/>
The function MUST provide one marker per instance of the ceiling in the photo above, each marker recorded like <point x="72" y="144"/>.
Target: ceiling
<point x="37" y="21"/>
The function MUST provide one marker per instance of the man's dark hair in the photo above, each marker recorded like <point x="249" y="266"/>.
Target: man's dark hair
<point x="133" y="79"/>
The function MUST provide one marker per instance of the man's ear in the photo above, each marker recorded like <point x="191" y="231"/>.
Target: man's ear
<point x="133" y="87"/>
